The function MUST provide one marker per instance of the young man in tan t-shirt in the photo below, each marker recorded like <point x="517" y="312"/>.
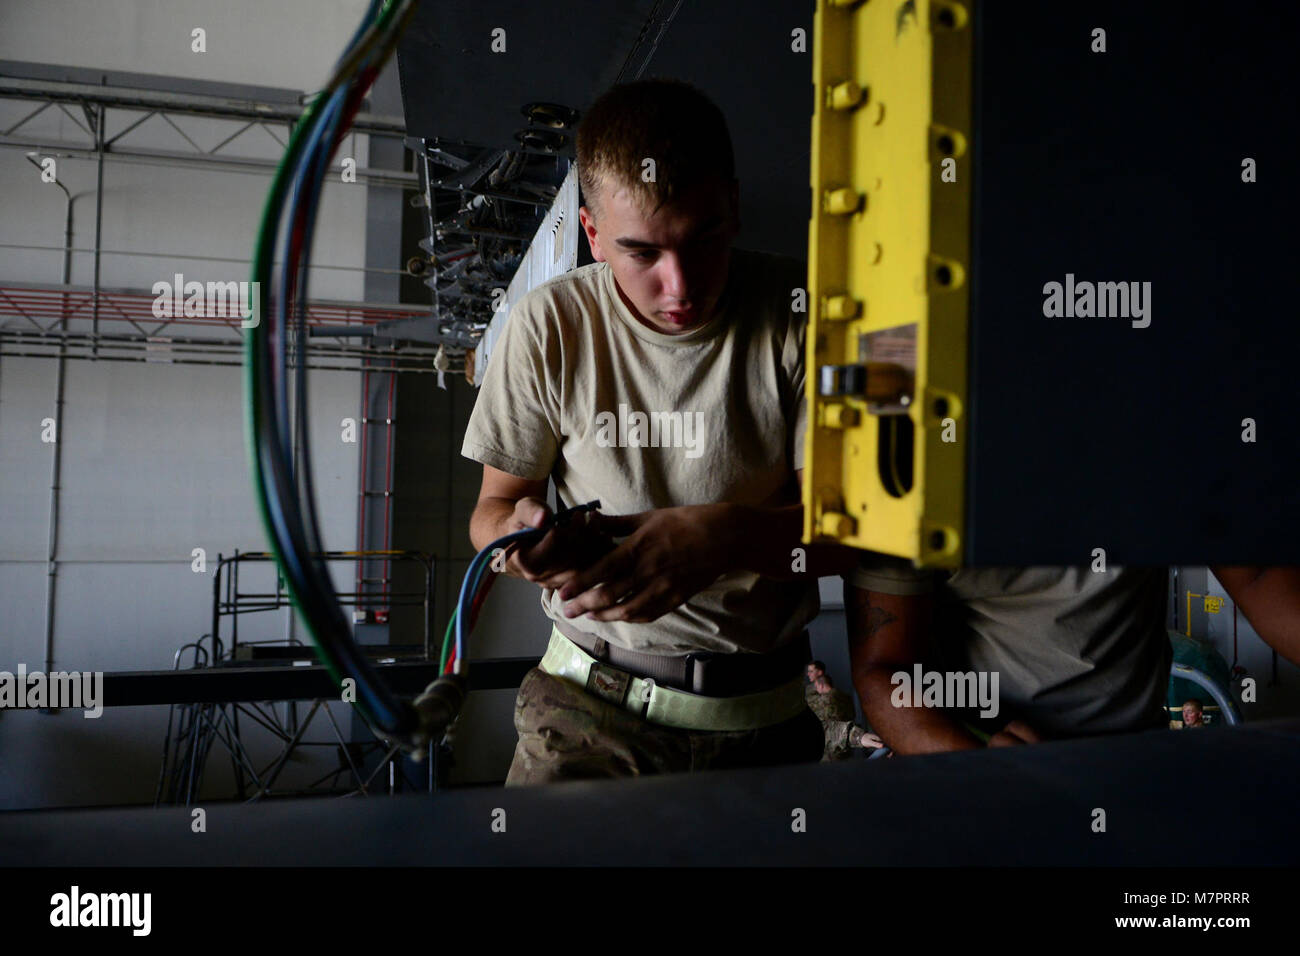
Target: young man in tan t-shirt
<point x="666" y="380"/>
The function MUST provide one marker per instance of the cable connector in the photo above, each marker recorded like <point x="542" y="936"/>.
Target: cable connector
<point x="564" y="515"/>
<point x="437" y="708"/>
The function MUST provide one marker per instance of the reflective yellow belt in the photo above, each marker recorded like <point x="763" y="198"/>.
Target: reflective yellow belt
<point x="666" y="705"/>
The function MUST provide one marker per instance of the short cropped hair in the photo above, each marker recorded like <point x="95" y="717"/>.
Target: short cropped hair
<point x="668" y="121"/>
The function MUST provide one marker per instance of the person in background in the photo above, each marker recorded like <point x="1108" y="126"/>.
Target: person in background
<point x="835" y="710"/>
<point x="1193" y="713"/>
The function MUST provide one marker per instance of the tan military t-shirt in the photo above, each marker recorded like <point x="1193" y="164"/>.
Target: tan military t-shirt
<point x="578" y="389"/>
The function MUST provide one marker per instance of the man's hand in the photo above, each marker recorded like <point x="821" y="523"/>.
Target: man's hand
<point x="1015" y="734"/>
<point x="865" y="740"/>
<point x="669" y="555"/>
<point x="562" y="552"/>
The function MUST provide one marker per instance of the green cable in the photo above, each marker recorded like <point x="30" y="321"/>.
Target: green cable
<point x="446" y="642"/>
<point x="376" y="35"/>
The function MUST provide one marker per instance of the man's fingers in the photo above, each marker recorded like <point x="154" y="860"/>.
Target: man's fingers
<point x="1016" y="733"/>
<point x="535" y="558"/>
<point x="642" y="608"/>
<point x="599" y="597"/>
<point x="595" y="598"/>
<point x="553" y="582"/>
<point x="562" y="550"/>
<point x="617" y="564"/>
<point x="1004" y="739"/>
<point x="617" y="526"/>
<point x="1023" y="731"/>
<point x="530" y="513"/>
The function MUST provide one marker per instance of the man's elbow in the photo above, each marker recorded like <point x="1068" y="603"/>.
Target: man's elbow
<point x="479" y="535"/>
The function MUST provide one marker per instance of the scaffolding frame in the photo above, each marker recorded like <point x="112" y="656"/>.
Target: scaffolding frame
<point x="194" y="729"/>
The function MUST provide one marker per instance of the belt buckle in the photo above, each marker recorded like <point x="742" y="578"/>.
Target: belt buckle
<point x="609" y="683"/>
<point x="698" y="671"/>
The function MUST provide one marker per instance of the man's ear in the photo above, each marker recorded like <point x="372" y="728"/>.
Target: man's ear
<point x="588" y="220"/>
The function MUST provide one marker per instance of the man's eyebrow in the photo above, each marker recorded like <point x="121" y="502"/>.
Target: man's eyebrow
<point x="629" y="243"/>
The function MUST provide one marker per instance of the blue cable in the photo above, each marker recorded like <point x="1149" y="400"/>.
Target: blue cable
<point x="475" y="572"/>
<point x="469" y="585"/>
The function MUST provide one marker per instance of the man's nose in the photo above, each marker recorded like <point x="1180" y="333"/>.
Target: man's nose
<point x="675" y="277"/>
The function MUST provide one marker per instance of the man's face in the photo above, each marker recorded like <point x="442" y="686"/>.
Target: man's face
<point x="814" y="673"/>
<point x="1191" y="716"/>
<point x="670" y="268"/>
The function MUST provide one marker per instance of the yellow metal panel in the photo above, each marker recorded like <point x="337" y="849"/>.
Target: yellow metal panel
<point x="889" y="249"/>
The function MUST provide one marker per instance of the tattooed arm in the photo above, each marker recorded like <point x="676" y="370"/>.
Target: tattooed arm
<point x="1270" y="599"/>
<point x="889" y="633"/>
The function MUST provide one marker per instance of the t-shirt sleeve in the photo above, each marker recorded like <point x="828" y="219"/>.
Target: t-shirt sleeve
<point x="794" y="360"/>
<point x="889" y="575"/>
<point x="797" y="383"/>
<point x="515" y="424"/>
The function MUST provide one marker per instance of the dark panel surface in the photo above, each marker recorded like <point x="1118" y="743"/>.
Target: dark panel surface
<point x="738" y="53"/>
<point x="1126" y="166"/>
<point x="455" y="87"/>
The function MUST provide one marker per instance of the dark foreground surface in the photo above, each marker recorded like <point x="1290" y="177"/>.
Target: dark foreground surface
<point x="1221" y="797"/>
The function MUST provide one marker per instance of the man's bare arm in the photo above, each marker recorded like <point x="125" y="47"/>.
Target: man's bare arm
<point x="888" y="633"/>
<point x="1270" y="599"/>
<point x="497" y="497"/>
<point x="508" y="503"/>
<point x="767" y="541"/>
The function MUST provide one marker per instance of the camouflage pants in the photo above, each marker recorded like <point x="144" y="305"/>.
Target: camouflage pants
<point x="567" y="734"/>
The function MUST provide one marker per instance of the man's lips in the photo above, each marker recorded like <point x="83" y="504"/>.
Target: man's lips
<point x="682" y="315"/>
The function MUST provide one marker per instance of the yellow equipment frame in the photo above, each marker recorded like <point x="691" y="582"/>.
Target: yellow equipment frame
<point x="889" y="249"/>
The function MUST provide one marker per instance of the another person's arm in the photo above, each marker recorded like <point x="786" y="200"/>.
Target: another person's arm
<point x="1270" y="599"/>
<point x="888" y="633"/>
